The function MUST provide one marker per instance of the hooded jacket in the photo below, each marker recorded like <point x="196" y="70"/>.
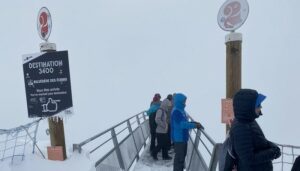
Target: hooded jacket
<point x="179" y="120"/>
<point x="161" y="117"/>
<point x="153" y="108"/>
<point x="254" y="151"/>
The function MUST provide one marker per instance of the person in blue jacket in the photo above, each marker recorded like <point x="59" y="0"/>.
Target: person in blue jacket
<point x="180" y="130"/>
<point x="254" y="152"/>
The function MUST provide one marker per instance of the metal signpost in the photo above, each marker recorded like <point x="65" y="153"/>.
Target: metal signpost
<point x="232" y="15"/>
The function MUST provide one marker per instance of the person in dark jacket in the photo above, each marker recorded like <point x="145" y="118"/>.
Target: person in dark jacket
<point x="170" y="107"/>
<point x="154" y="106"/>
<point x="254" y="152"/>
<point x="180" y="130"/>
<point x="296" y="165"/>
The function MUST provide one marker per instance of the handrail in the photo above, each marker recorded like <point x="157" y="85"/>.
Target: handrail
<point x="284" y="153"/>
<point x="204" y="132"/>
<point x="195" y="157"/>
<point x="79" y="146"/>
<point x="213" y="154"/>
<point x="135" y="139"/>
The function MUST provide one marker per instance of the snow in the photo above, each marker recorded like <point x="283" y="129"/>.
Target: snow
<point x="78" y="162"/>
<point x="146" y="162"/>
<point x="35" y="162"/>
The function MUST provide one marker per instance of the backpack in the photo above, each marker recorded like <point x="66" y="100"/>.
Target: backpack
<point x="227" y="156"/>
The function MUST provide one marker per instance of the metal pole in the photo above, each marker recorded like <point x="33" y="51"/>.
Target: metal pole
<point x="195" y="148"/>
<point x="215" y="156"/>
<point x="139" y="125"/>
<point x="131" y="133"/>
<point x="117" y="148"/>
<point x="233" y="43"/>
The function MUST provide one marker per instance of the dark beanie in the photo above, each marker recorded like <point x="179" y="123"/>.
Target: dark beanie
<point x="156" y="97"/>
<point x="170" y="97"/>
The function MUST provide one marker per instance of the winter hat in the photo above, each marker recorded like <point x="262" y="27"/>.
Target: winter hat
<point x="170" y="97"/>
<point x="156" y="97"/>
<point x="179" y="100"/>
<point x="259" y="100"/>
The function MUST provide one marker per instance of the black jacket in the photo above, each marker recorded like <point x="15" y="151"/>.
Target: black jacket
<point x="296" y="166"/>
<point x="254" y="151"/>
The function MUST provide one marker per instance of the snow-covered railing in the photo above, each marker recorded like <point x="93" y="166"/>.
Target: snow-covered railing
<point x="288" y="156"/>
<point x="119" y="146"/>
<point x="202" y="152"/>
<point x="13" y="141"/>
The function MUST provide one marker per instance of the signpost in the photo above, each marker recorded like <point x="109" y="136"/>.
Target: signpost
<point x="232" y="15"/>
<point x="47" y="84"/>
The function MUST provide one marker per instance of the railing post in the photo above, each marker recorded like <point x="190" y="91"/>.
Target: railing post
<point x="144" y="116"/>
<point x="282" y="158"/>
<point x="214" y="158"/>
<point x="293" y="154"/>
<point x="14" y="150"/>
<point x="117" y="148"/>
<point x="197" y="140"/>
<point x="139" y="125"/>
<point x="138" y="120"/>
<point x="77" y="147"/>
<point x="131" y="132"/>
<point x="35" y="133"/>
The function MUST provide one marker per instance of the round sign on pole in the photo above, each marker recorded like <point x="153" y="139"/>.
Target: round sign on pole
<point x="233" y="14"/>
<point x="44" y="23"/>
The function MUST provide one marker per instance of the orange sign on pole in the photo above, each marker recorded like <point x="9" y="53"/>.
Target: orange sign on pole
<point x="227" y="111"/>
<point x="55" y="153"/>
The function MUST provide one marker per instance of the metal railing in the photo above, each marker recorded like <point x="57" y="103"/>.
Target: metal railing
<point x="122" y="143"/>
<point x="287" y="158"/>
<point x="123" y="150"/>
<point x="13" y="141"/>
<point x="202" y="152"/>
<point x="127" y="138"/>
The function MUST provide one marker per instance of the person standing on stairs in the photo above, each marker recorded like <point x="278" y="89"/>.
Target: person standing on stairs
<point x="180" y="130"/>
<point x="154" y="106"/>
<point x="162" y="130"/>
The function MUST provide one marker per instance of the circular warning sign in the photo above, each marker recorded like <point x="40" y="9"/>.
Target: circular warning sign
<point x="44" y="23"/>
<point x="233" y="14"/>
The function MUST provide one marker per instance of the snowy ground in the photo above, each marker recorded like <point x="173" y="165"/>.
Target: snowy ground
<point x="35" y="162"/>
<point x="146" y="162"/>
<point x="78" y="162"/>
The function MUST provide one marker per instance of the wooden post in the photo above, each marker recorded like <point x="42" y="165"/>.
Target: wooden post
<point x="56" y="125"/>
<point x="233" y="64"/>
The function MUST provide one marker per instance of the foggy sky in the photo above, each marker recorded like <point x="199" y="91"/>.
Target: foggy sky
<point x="121" y="52"/>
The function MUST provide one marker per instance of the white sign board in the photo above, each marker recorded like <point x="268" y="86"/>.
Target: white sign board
<point x="233" y="14"/>
<point x="44" y="23"/>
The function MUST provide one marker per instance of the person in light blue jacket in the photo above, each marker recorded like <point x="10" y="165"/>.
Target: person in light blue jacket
<point x="154" y="106"/>
<point x="180" y="130"/>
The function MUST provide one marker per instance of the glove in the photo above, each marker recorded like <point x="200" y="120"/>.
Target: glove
<point x="277" y="152"/>
<point x="199" y="126"/>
